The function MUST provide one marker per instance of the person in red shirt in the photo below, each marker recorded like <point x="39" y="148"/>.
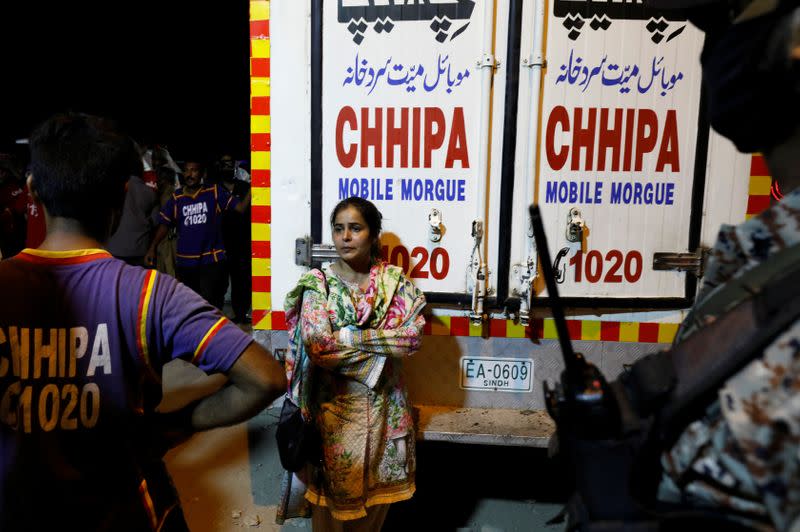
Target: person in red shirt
<point x="34" y="218"/>
<point x="12" y="210"/>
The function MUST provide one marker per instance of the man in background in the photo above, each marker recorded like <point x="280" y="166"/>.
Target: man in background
<point x="236" y="235"/>
<point x="195" y="210"/>
<point x="132" y="238"/>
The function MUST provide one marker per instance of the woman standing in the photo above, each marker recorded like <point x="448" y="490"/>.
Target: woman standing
<point x="356" y="319"/>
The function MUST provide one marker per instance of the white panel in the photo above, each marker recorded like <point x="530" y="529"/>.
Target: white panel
<point x="727" y="186"/>
<point x="291" y="137"/>
<point x="419" y="63"/>
<point x="644" y="73"/>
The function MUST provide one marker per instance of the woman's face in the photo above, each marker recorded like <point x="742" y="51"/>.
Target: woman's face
<point x="351" y="236"/>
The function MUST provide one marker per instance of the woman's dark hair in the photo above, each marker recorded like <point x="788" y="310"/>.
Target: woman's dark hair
<point x="371" y="215"/>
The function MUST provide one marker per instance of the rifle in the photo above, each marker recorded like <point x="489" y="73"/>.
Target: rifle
<point x="583" y="391"/>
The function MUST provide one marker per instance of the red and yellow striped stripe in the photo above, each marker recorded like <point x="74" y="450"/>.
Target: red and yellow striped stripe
<point x="260" y="152"/>
<point x="198" y="353"/>
<point x="543" y="329"/>
<point x="760" y="183"/>
<point x="141" y="321"/>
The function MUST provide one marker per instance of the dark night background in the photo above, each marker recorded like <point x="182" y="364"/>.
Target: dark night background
<point x="170" y="71"/>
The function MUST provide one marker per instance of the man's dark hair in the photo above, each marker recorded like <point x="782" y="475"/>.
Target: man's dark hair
<point x="197" y="159"/>
<point x="371" y="215"/>
<point x="80" y="164"/>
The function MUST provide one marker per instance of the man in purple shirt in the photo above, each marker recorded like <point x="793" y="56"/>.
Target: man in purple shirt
<point x="196" y="211"/>
<point x="83" y="340"/>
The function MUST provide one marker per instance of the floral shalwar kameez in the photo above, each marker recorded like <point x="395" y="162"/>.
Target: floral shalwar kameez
<point x="353" y="387"/>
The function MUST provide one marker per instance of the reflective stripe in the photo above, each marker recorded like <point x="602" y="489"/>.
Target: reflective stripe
<point x="212" y="252"/>
<point x="144" y="307"/>
<point x="207" y="338"/>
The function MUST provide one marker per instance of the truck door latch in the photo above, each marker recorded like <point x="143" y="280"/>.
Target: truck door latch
<point x="435" y="221"/>
<point x="682" y="262"/>
<point x="307" y="253"/>
<point x="575" y="226"/>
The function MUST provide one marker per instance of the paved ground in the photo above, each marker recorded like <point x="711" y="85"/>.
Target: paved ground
<point x="229" y="479"/>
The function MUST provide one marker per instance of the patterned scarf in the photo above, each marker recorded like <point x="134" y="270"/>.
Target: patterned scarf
<point x="372" y="311"/>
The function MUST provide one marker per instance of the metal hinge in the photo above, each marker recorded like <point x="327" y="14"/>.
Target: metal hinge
<point x="682" y="262"/>
<point x="488" y="61"/>
<point x="307" y="253"/>
<point x="535" y="60"/>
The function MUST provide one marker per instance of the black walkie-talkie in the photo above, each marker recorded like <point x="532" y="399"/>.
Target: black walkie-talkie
<point x="583" y="401"/>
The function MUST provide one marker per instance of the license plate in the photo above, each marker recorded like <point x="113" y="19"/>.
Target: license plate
<point x="497" y="374"/>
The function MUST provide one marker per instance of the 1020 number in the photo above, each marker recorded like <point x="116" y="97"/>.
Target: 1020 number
<point x="612" y="269"/>
<point x="435" y="264"/>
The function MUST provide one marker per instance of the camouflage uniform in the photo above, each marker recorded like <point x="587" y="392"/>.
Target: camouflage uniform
<point x="744" y="454"/>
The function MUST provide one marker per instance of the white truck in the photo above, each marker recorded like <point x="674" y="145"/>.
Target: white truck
<point x="453" y="116"/>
